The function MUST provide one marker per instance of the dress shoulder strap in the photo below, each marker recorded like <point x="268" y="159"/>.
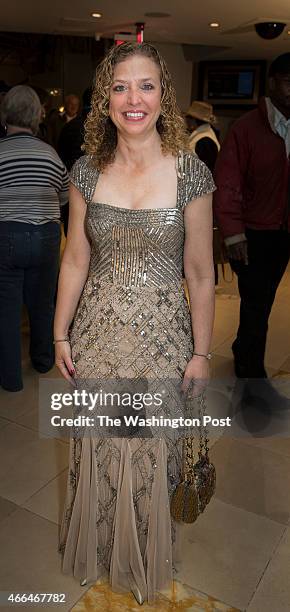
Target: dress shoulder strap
<point x="195" y="179"/>
<point x="84" y="176"/>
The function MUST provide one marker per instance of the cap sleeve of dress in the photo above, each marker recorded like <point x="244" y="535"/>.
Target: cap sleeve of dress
<point x="196" y="177"/>
<point x="84" y="176"/>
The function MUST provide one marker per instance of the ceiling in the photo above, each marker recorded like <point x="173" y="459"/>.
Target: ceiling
<point x="187" y="23"/>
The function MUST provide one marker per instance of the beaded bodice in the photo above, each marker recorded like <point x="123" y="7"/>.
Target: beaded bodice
<point x="139" y="247"/>
<point x="136" y="247"/>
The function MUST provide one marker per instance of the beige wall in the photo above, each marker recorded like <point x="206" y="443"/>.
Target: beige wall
<point x="181" y="71"/>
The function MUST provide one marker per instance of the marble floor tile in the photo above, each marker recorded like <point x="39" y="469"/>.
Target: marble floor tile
<point x="221" y="367"/>
<point x="6" y="508"/>
<point x="180" y="597"/>
<point x="19" y="402"/>
<point x="30" y="562"/>
<point x="27" y="463"/>
<point x="226" y="320"/>
<point x="31" y="420"/>
<point x="27" y="368"/>
<point x="53" y="373"/>
<point x="282" y="375"/>
<point x="278" y="340"/>
<point x="218" y="406"/>
<point x="225" y="552"/>
<point x="253" y="478"/>
<point x="225" y="348"/>
<point x="273" y="592"/>
<point x="285" y="366"/>
<point x="28" y="419"/>
<point x="3" y="422"/>
<point x="261" y="410"/>
<point x="277" y="444"/>
<point x="48" y="502"/>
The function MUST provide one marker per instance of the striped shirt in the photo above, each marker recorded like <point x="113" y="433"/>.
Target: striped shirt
<point x="33" y="180"/>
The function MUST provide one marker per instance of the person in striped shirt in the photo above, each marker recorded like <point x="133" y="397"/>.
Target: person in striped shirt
<point x="33" y="186"/>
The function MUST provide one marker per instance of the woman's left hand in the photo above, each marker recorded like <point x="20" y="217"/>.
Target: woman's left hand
<point x="196" y="373"/>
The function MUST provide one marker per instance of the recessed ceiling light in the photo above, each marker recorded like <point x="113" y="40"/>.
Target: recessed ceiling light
<point x="96" y="15"/>
<point x="214" y="24"/>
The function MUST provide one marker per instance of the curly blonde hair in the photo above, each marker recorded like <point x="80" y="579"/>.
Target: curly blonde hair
<point x="100" y="132"/>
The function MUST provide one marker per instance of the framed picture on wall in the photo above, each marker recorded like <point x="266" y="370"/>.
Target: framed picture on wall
<point x="232" y="84"/>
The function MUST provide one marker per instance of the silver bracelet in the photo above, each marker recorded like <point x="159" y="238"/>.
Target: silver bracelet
<point x="61" y="340"/>
<point x="208" y="356"/>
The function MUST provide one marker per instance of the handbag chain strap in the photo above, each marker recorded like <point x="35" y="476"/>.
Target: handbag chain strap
<point x="188" y="444"/>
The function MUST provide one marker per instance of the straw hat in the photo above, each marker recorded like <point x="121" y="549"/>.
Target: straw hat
<point x="202" y="111"/>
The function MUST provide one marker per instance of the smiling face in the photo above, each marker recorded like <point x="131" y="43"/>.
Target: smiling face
<point x="135" y="96"/>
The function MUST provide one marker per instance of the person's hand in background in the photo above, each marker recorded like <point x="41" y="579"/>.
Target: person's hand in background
<point x="238" y="251"/>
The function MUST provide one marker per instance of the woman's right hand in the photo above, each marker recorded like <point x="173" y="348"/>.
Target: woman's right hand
<point x="63" y="361"/>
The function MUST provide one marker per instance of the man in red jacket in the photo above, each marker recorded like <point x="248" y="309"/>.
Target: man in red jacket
<point x="252" y="207"/>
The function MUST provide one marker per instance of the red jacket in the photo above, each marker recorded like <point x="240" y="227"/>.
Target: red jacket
<point x="252" y="173"/>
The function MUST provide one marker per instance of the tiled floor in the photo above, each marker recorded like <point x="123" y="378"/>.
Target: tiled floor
<point x="237" y="554"/>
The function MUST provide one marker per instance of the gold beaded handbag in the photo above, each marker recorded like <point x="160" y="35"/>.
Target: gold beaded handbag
<point x="198" y="483"/>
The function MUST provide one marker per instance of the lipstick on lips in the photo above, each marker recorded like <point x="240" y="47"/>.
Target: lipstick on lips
<point x="134" y="115"/>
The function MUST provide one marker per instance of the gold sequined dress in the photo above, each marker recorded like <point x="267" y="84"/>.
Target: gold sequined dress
<point x="132" y="322"/>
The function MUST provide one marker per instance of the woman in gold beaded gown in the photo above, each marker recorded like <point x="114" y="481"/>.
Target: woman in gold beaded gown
<point x="140" y="209"/>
